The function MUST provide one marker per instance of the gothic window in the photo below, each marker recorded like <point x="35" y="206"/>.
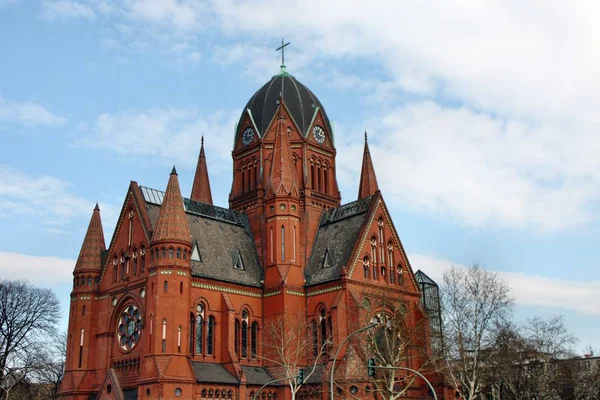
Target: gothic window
<point x="237" y="337"/>
<point x="96" y="280"/>
<point x="178" y="253"/>
<point x="399" y="269"/>
<point x="323" y="323"/>
<point x="255" y="174"/>
<point x="374" y="250"/>
<point x="185" y="254"/>
<point x="142" y="259"/>
<point x="380" y="225"/>
<point x="243" y="178"/>
<point x="319" y="188"/>
<point x="325" y="179"/>
<point x="312" y="174"/>
<point x="329" y="333"/>
<point x="135" y="262"/>
<point x="254" y="339"/>
<point x="164" y="336"/>
<point x="129" y="327"/>
<point x="89" y="281"/>
<point x="199" y="328"/>
<point x="122" y="259"/>
<point x="282" y="244"/>
<point x="244" y="339"/>
<point x="210" y="340"/>
<point x="164" y="252"/>
<point x="315" y="335"/>
<point x="383" y="273"/>
<point x="390" y="248"/>
<point x="171" y="252"/>
<point x="366" y="266"/>
<point x="166" y="286"/>
<point x="83" y="310"/>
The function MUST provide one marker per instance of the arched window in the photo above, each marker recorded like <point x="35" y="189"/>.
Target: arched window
<point x="323" y="332"/>
<point x="96" y="280"/>
<point x="319" y="187"/>
<point x="199" y="328"/>
<point x="115" y="267"/>
<point x="179" y="339"/>
<point x="312" y="174"/>
<point x="192" y="334"/>
<point x="122" y="259"/>
<point x="383" y="276"/>
<point x="380" y="225"/>
<point x="294" y="243"/>
<point x="325" y="179"/>
<point x="390" y="248"/>
<point x="76" y="281"/>
<point x="254" y="339"/>
<point x="399" y="270"/>
<point x="210" y="336"/>
<point x="329" y="333"/>
<point x="82" y="334"/>
<point x="255" y="174"/>
<point x="164" y="252"/>
<point x="142" y="259"/>
<point x="282" y="243"/>
<point x="171" y="252"/>
<point x="83" y="310"/>
<point x="89" y="281"/>
<point x="374" y="250"/>
<point x="243" y="178"/>
<point x="178" y="253"/>
<point x="236" y="336"/>
<point x="184" y="254"/>
<point x="315" y="335"/>
<point x="166" y="286"/>
<point x="164" y="336"/>
<point x="366" y="266"/>
<point x="244" y="339"/>
<point x="135" y="262"/>
<point x="181" y="288"/>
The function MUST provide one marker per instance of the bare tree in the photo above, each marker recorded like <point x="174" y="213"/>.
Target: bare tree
<point x="474" y="303"/>
<point x="28" y="315"/>
<point x="288" y="347"/>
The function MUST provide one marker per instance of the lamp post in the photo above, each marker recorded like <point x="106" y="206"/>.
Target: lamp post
<point x="365" y="328"/>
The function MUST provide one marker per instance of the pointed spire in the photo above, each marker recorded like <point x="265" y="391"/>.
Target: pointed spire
<point x="172" y="224"/>
<point x="283" y="174"/>
<point x="368" y="180"/>
<point x="201" y="187"/>
<point x="93" y="244"/>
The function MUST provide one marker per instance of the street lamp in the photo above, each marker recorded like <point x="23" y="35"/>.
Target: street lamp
<point x="365" y="328"/>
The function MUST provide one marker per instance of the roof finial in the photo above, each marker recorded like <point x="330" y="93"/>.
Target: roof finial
<point x="173" y="171"/>
<point x="282" y="48"/>
<point x="365" y="135"/>
<point x="202" y="140"/>
<point x="97" y="208"/>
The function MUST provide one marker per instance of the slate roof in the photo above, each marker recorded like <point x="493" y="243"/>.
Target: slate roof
<point x="220" y="234"/>
<point x="337" y="236"/>
<point x="212" y="373"/>
<point x="300" y="101"/>
<point x="257" y="375"/>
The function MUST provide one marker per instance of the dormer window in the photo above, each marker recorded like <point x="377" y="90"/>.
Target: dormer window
<point x="239" y="264"/>
<point x="327" y="260"/>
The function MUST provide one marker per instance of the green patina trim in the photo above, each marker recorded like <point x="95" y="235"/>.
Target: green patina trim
<point x="294" y="293"/>
<point x="225" y="289"/>
<point x="182" y="273"/>
<point x="326" y="290"/>
<point x="275" y="293"/>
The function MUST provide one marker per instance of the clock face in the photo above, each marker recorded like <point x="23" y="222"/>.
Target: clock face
<point x="319" y="134"/>
<point x="247" y="136"/>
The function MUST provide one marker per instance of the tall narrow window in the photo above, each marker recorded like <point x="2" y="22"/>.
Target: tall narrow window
<point x="323" y="332"/>
<point x="142" y="259"/>
<point x="255" y="175"/>
<point x="192" y="333"/>
<point x="380" y="224"/>
<point x="164" y="336"/>
<point x="282" y="244"/>
<point x="390" y="248"/>
<point x="236" y="337"/>
<point x="181" y="288"/>
<point x="254" y="339"/>
<point x="166" y="286"/>
<point x="135" y="262"/>
<point x="210" y="336"/>
<point x="83" y="311"/>
<point x="366" y="266"/>
<point x="151" y="332"/>
<point x="319" y="188"/>
<point x="272" y="247"/>
<point x="315" y="335"/>
<point x="294" y="244"/>
<point x="81" y="347"/>
<point x="330" y="333"/>
<point x="199" y="333"/>
<point x="243" y="179"/>
<point x="244" y="339"/>
<point x="179" y="339"/>
<point x="325" y="179"/>
<point x="312" y="175"/>
<point x="374" y="250"/>
<point x="122" y="266"/>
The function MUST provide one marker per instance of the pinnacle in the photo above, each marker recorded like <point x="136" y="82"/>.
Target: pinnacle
<point x="283" y="175"/>
<point x="368" y="180"/>
<point x="93" y="244"/>
<point x="172" y="224"/>
<point x="201" y="186"/>
<point x="173" y="171"/>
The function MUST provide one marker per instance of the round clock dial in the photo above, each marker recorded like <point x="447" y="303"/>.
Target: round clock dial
<point x="319" y="134"/>
<point x="129" y="327"/>
<point x="247" y="136"/>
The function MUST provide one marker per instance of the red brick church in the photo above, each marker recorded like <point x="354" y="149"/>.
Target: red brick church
<point x="176" y="305"/>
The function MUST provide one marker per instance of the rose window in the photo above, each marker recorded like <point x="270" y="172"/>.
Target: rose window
<point x="130" y="325"/>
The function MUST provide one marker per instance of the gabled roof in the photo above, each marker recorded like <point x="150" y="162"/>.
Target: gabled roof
<point x="337" y="236"/>
<point x="220" y="234"/>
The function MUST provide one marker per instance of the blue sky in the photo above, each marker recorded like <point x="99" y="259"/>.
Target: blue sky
<point x="482" y="122"/>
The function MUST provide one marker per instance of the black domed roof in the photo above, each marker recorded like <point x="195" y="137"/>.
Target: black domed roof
<point x="300" y="101"/>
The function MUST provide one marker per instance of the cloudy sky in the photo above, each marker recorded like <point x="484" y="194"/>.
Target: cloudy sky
<point x="482" y="118"/>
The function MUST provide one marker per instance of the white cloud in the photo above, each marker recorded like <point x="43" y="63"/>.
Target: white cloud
<point x="28" y="114"/>
<point x="39" y="270"/>
<point x="476" y="169"/>
<point x="529" y="290"/>
<point x="169" y="134"/>
<point x="63" y="10"/>
<point x="46" y="198"/>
